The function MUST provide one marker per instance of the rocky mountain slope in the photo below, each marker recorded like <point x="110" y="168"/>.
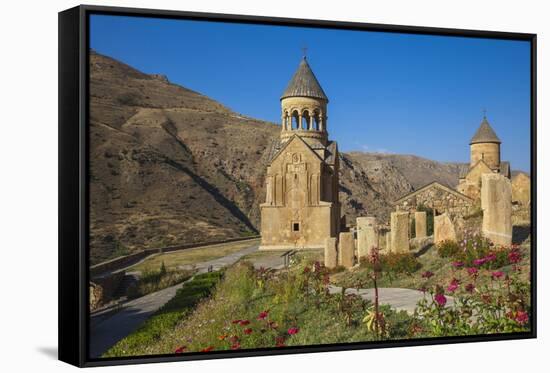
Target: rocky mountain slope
<point x="169" y="166"/>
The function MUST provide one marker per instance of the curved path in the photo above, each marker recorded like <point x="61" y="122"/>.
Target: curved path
<point x="107" y="329"/>
<point x="398" y="298"/>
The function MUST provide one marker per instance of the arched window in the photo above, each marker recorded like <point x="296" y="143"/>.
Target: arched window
<point x="305" y="120"/>
<point x="295" y="120"/>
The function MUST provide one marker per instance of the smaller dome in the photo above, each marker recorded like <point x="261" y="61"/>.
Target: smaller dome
<point x="485" y="134"/>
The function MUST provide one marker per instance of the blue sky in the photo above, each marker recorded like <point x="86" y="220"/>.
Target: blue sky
<point x="397" y="93"/>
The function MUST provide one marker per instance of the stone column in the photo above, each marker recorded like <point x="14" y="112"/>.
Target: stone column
<point x="399" y="225"/>
<point x="444" y="229"/>
<point x="346" y="250"/>
<point x="496" y="203"/>
<point x="420" y="224"/>
<point x="367" y="235"/>
<point x="331" y="252"/>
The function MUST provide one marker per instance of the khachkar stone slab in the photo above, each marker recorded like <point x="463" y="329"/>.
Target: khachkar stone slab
<point x="420" y="226"/>
<point x="346" y="250"/>
<point x="331" y="252"/>
<point x="496" y="203"/>
<point x="399" y="226"/>
<point x="367" y="235"/>
<point x="444" y="229"/>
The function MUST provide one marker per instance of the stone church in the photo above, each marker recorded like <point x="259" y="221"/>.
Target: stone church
<point x="301" y="209"/>
<point x="484" y="159"/>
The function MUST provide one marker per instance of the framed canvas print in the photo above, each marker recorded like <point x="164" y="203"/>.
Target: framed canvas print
<point x="235" y="186"/>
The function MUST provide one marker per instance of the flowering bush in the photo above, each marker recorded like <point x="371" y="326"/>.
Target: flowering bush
<point x="483" y="302"/>
<point x="474" y="251"/>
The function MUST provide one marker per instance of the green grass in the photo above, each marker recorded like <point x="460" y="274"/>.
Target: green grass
<point x="242" y="295"/>
<point x="167" y="317"/>
<point x="152" y="281"/>
<point x="190" y="256"/>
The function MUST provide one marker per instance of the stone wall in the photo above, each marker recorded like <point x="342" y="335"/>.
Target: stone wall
<point x="439" y="198"/>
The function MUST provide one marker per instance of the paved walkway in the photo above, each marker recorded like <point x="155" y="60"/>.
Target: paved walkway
<point x="106" y="331"/>
<point x="398" y="298"/>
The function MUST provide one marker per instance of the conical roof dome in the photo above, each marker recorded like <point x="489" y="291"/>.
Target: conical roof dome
<point x="485" y="134"/>
<point x="304" y="84"/>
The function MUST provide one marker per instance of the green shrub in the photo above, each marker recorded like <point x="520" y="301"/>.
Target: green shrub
<point x="448" y="249"/>
<point x="395" y="263"/>
<point x="474" y="250"/>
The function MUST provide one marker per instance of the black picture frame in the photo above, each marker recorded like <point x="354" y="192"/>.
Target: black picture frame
<point x="74" y="178"/>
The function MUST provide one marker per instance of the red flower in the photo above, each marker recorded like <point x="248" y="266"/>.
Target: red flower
<point x="233" y="339"/>
<point x="236" y="321"/>
<point x="453" y="285"/>
<point x="180" y="349"/>
<point x="497" y="274"/>
<point x="472" y="271"/>
<point x="247" y="331"/>
<point x="514" y="256"/>
<point x="292" y="331"/>
<point x="236" y="346"/>
<point x="263" y="315"/>
<point x="490" y="257"/>
<point x="207" y="349"/>
<point x="222" y="337"/>
<point x="470" y="288"/>
<point x="521" y="317"/>
<point x="280" y="342"/>
<point x="440" y="299"/>
<point x="243" y="322"/>
<point x="479" y="262"/>
<point x="458" y="264"/>
<point x="427" y="274"/>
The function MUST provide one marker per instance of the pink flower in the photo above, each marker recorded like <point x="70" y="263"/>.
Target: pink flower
<point x="440" y="299"/>
<point x="479" y="262"/>
<point x="514" y="256"/>
<point x="292" y="331"/>
<point x="497" y="274"/>
<point x="472" y="271"/>
<point x="427" y="274"/>
<point x="521" y="317"/>
<point x="243" y="322"/>
<point x="236" y="321"/>
<point x="247" y="331"/>
<point x="490" y="257"/>
<point x="458" y="264"/>
<point x="180" y="349"/>
<point x="470" y="288"/>
<point x="263" y="315"/>
<point x="453" y="285"/>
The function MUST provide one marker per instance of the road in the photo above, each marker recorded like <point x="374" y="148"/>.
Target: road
<point x="106" y="331"/>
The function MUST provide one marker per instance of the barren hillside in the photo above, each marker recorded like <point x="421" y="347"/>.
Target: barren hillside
<point x="170" y="166"/>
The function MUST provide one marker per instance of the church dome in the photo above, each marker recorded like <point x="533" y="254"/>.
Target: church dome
<point x="304" y="84"/>
<point x="485" y="134"/>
